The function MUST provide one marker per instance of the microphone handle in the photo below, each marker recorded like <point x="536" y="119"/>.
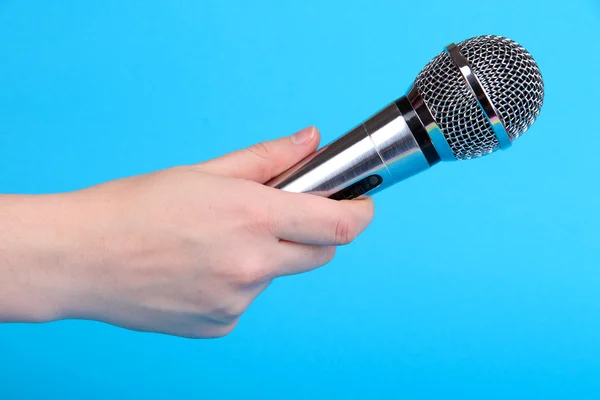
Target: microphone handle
<point x="374" y="155"/>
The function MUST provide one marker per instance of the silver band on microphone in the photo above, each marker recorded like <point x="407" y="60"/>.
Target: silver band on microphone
<point x="483" y="100"/>
<point x="433" y="130"/>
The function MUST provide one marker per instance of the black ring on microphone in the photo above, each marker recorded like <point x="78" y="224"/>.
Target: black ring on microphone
<point x="418" y="130"/>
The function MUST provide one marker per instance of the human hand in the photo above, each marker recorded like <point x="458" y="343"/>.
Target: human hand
<point x="184" y="251"/>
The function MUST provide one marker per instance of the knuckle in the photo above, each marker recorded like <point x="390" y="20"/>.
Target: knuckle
<point x="230" y="312"/>
<point x="235" y="310"/>
<point x="345" y="230"/>
<point x="253" y="272"/>
<point x="260" y="150"/>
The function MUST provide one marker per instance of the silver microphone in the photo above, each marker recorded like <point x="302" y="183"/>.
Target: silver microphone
<point x="471" y="100"/>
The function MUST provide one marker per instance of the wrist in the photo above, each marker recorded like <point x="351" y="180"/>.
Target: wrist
<point x="38" y="247"/>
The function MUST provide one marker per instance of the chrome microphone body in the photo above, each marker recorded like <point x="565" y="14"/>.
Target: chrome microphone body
<point x="387" y="148"/>
<point x="471" y="100"/>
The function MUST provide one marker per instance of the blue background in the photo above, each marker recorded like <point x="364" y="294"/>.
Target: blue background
<point x="477" y="279"/>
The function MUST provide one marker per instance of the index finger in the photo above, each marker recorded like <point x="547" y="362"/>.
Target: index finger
<point x="310" y="219"/>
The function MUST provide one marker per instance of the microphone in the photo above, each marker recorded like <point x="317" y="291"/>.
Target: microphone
<point x="469" y="101"/>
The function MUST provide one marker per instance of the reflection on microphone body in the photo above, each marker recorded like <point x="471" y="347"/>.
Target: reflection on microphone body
<point x="470" y="100"/>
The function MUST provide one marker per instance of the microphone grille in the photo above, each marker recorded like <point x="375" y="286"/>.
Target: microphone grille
<point x="509" y="76"/>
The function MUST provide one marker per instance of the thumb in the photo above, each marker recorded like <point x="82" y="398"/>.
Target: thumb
<point x="263" y="161"/>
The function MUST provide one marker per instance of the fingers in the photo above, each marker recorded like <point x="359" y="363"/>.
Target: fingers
<point x="296" y="258"/>
<point x="266" y="160"/>
<point x="310" y="219"/>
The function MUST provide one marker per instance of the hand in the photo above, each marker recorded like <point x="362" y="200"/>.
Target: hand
<point x="184" y="251"/>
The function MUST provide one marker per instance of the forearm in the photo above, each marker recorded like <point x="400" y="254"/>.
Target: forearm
<point x="37" y="248"/>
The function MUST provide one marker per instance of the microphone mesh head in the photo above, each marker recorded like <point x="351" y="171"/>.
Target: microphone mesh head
<point x="509" y="76"/>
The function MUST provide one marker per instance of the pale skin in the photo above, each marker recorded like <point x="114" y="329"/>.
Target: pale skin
<point x="182" y="251"/>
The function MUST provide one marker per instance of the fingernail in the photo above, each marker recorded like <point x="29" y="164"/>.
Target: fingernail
<point x="303" y="136"/>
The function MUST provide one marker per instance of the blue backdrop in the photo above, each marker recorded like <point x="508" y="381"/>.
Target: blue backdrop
<point x="478" y="279"/>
